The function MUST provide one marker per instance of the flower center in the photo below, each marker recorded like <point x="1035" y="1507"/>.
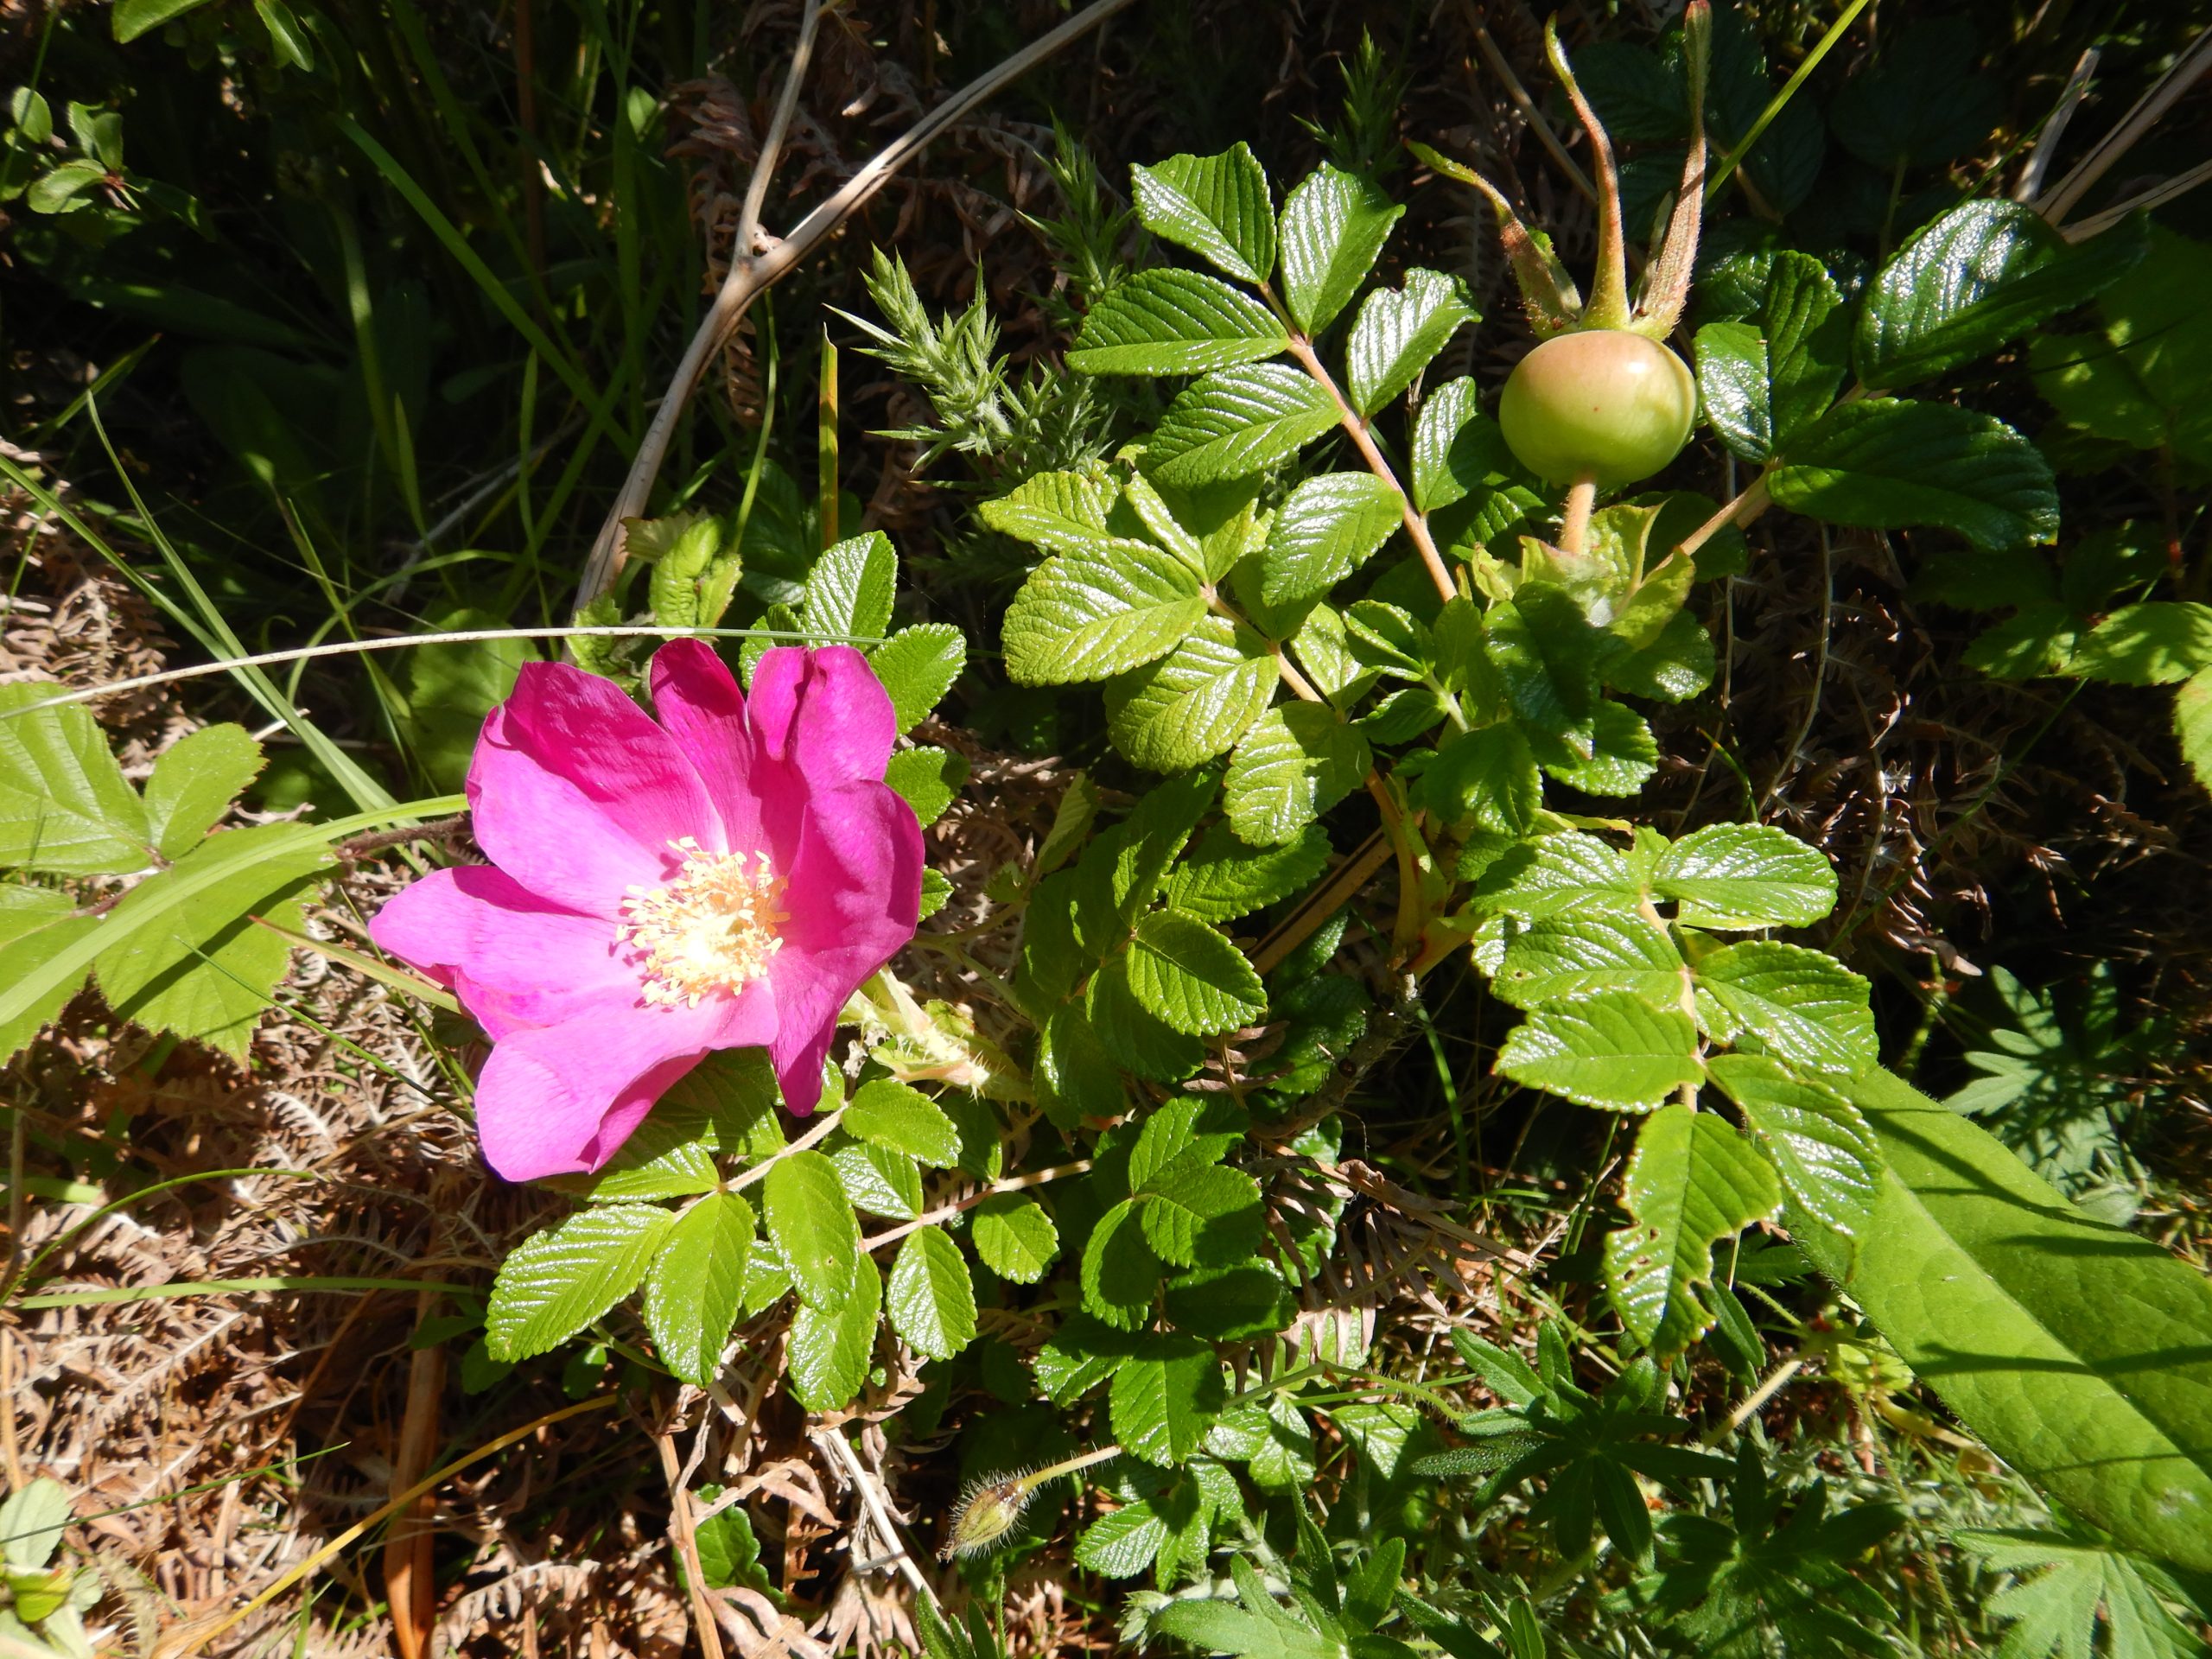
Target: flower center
<point x="711" y="929"/>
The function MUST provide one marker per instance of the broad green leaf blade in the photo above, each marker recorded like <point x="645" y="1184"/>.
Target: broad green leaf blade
<point x="1694" y="1181"/>
<point x="202" y="970"/>
<point x="1187" y="1127"/>
<point x="1120" y="1273"/>
<point x="1570" y="873"/>
<point x="1608" y="1048"/>
<point x="1236" y="423"/>
<point x="1543" y="646"/>
<point x="1624" y="754"/>
<point x="1731" y="383"/>
<point x="1983" y="274"/>
<point x="1569" y="956"/>
<point x="553" y="1285"/>
<point x="1014" y="1237"/>
<point x="1073" y="1076"/>
<point x="64" y="805"/>
<point x="892" y="1114"/>
<point x="812" y="1224"/>
<point x="1819" y="1143"/>
<point x="1085" y="616"/>
<point x="1187" y="974"/>
<point x="1803" y="1006"/>
<point x="926" y="778"/>
<point x="2153" y="644"/>
<point x="135" y="17"/>
<point x="1122" y="1544"/>
<point x="696" y="1286"/>
<point x="1334" y="224"/>
<point x="1131" y="1034"/>
<point x="1218" y="207"/>
<point x="2080" y="1353"/>
<point x="1807" y="332"/>
<point x="1196" y="701"/>
<point x="1174" y="322"/>
<point x="877" y="1179"/>
<point x="1743" y="875"/>
<point x="849" y="591"/>
<point x="917" y="667"/>
<point x="828" y="1359"/>
<point x="2078" y="1586"/>
<point x="1488" y="776"/>
<point x="1061" y="512"/>
<point x="1400" y="332"/>
<point x="1326" y="531"/>
<point x="1456" y="449"/>
<point x="931" y="1300"/>
<point x="1884" y="463"/>
<point x="1165" y="1396"/>
<point x="35" y="924"/>
<point x="1296" y="762"/>
<point x="1200" y="1214"/>
<point x="193" y="784"/>
<point x="1223" y="878"/>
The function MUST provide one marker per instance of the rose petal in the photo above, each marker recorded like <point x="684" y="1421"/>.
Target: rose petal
<point x="549" y="835"/>
<point x="823" y="714"/>
<point x="582" y="728"/>
<point x="853" y="900"/>
<point x="697" y="700"/>
<point x="561" y="1099"/>
<point x="516" y="960"/>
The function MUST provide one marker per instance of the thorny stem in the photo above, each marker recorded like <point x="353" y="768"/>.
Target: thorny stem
<point x="1575" y="527"/>
<point x="1364" y="440"/>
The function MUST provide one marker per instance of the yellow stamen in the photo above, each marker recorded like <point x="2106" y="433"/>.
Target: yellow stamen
<point x="712" y="928"/>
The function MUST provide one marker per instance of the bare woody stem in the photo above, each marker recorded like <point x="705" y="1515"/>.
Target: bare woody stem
<point x="1746" y="507"/>
<point x="754" y="268"/>
<point x="1364" y="440"/>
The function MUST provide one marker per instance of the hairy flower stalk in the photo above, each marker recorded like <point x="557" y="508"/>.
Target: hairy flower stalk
<point x="990" y="1509"/>
<point x="725" y="877"/>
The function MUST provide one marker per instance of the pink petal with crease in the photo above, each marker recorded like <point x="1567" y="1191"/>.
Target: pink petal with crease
<point x="585" y="729"/>
<point x="697" y="699"/>
<point x="547" y="834"/>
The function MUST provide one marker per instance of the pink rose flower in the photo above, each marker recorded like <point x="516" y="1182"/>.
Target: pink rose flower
<point x="724" y="879"/>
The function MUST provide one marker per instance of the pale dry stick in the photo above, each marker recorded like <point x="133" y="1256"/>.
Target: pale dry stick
<point x="1526" y="104"/>
<point x="752" y="272"/>
<point x="878" y="1511"/>
<point x="2180" y="185"/>
<point x="684" y="1535"/>
<point x="2055" y="125"/>
<point x="945" y="1211"/>
<point x="1351" y="875"/>
<point x="2066" y="194"/>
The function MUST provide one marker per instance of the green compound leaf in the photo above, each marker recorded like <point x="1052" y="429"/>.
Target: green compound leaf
<point x="1218" y="207"/>
<point x="1803" y="1006"/>
<point x="917" y="667"/>
<point x="1236" y="423"/>
<point x="2080" y="1352"/>
<point x="812" y="1224"/>
<point x="1334" y="224"/>
<point x="1014" y="1237"/>
<point x="195" y="782"/>
<point x="1820" y="1143"/>
<point x="1328" y="528"/>
<point x="1744" y="876"/>
<point x="1296" y="762"/>
<point x="1165" y="1396"/>
<point x="1399" y="333"/>
<point x="932" y="1301"/>
<point x="1223" y="878"/>
<point x="1196" y="701"/>
<point x="1570" y="955"/>
<point x="1692" y="1182"/>
<point x="2153" y="644"/>
<point x="830" y="1347"/>
<point x="696" y="1286"/>
<point x="849" y="591"/>
<point x="1061" y="512"/>
<point x="1608" y="1048"/>
<point x="65" y="807"/>
<point x="35" y="923"/>
<point x="2077" y="1585"/>
<point x="1884" y="463"/>
<point x="1087" y="615"/>
<point x="1192" y="978"/>
<point x="1174" y="322"/>
<point x="1983" y="274"/>
<point x="893" y="1115"/>
<point x="553" y="1285"/>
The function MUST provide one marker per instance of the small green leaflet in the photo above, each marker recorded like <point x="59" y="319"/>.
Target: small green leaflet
<point x="917" y="667"/>
<point x="2155" y="643"/>
<point x="1084" y="616"/>
<point x="1014" y="1237"/>
<point x="1568" y="873"/>
<point x="1334" y="224"/>
<point x="827" y="1357"/>
<point x="65" y="807"/>
<point x="932" y="1303"/>
<point x="1692" y="1181"/>
<point x="877" y="1179"/>
<point x="553" y="1285"/>
<point x="1237" y="422"/>
<point x="1608" y="1048"/>
<point x="849" y="591"/>
<point x="1188" y="975"/>
<point x="1164" y="1397"/>
<point x="1326" y="530"/>
<point x="1174" y="322"/>
<point x="1218" y="207"/>
<point x="1567" y="956"/>
<point x="1744" y="876"/>
<point x="36" y="923"/>
<point x="1298" y="761"/>
<point x="1120" y="1272"/>
<point x="1803" y="1006"/>
<point x="1399" y="333"/>
<point x="195" y="782"/>
<point x="1488" y="776"/>
<point x="1456" y="449"/>
<point x="927" y="780"/>
<point x="696" y="1286"/>
<point x="893" y="1115"/>
<point x="1196" y="701"/>
<point x="1061" y="512"/>
<point x="1223" y="878"/>
<point x="1819" y="1143"/>
<point x="812" y="1224"/>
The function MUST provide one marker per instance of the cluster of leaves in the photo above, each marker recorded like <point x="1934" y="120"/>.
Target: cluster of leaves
<point x="43" y="1601"/>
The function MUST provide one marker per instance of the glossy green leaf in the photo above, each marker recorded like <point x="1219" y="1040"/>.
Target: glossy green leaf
<point x="554" y="1284"/>
<point x="917" y="667"/>
<point x="1223" y="878"/>
<point x="1298" y="761"/>
<point x="1171" y="321"/>
<point x="893" y="1115"/>
<point x="1399" y="333"/>
<point x="1567" y="873"/>
<point x="1196" y="701"/>
<point x="1606" y="1048"/>
<point x="1886" y="464"/>
<point x="1132" y="1036"/>
<point x="1570" y="955"/>
<point x="927" y="780"/>
<point x="1692" y="1181"/>
<point x="810" y="1223"/>
<point x="1120" y="1273"/>
<point x="1192" y="977"/>
<point x="2155" y="643"/>
<point x="1328" y="528"/>
<point x="1237" y="422"/>
<point x="1803" y="1006"/>
<point x="1218" y="207"/>
<point x="1818" y="1142"/>
<point x="1732" y="384"/>
<point x="64" y="805"/>
<point x="931" y="1299"/>
<point x="2080" y="1353"/>
<point x="828" y="1357"/>
<point x="1546" y="651"/>
<point x="1164" y="1396"/>
<point x="1123" y="1542"/>
<point x="1488" y="776"/>
<point x="1014" y="1237"/>
<point x="849" y="592"/>
<point x="1061" y="512"/>
<point x="132" y="18"/>
<point x="35" y="924"/>
<point x="1200" y="1214"/>
<point x="877" y="1180"/>
<point x="1084" y="616"/>
<point x="1456" y="449"/>
<point x="696" y="1286"/>
<point x="1624" y="754"/>
<point x="1334" y="224"/>
<point x="1743" y="875"/>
